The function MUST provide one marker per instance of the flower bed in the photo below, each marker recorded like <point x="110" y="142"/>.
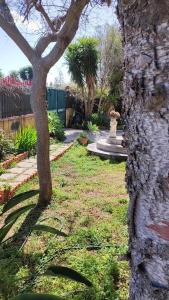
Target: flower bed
<point x="7" y="163"/>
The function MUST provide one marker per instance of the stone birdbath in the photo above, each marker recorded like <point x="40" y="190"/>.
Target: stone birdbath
<point x="110" y="147"/>
<point x="114" y="115"/>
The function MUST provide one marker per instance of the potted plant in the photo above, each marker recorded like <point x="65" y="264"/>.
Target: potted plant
<point x="83" y="138"/>
<point x="93" y="131"/>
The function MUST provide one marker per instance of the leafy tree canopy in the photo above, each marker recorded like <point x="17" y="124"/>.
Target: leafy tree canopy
<point x="82" y="59"/>
<point x="26" y="73"/>
<point x="14" y="74"/>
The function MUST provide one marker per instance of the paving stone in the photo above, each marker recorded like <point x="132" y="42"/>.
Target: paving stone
<point x="21" y="178"/>
<point x="15" y="171"/>
<point x="53" y="147"/>
<point x="7" y="176"/>
<point x="25" y="169"/>
<point x="31" y="160"/>
<point x="25" y="164"/>
<point x="30" y="171"/>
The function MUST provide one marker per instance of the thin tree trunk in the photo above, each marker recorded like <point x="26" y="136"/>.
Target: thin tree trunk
<point x="90" y="96"/>
<point x="38" y="102"/>
<point x="145" y="25"/>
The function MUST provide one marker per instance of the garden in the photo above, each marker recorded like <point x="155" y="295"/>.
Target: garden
<point x="89" y="209"/>
<point x="76" y="247"/>
<point x="68" y="233"/>
<point x="20" y="146"/>
<point x="25" y="139"/>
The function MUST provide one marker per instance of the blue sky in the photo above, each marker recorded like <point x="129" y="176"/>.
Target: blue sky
<point x="13" y="59"/>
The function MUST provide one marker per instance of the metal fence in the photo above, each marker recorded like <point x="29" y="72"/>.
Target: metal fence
<point x="14" y="104"/>
<point x="18" y="103"/>
<point x="57" y="102"/>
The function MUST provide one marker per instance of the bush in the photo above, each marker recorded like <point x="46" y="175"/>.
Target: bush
<point x="92" y="127"/>
<point x="26" y="140"/>
<point x="100" y="120"/>
<point x="6" y="145"/>
<point x="83" y="135"/>
<point x="56" y="127"/>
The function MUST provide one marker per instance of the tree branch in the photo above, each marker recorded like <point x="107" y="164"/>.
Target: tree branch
<point x="67" y="32"/>
<point x="49" y="38"/>
<point x="54" y="25"/>
<point x="8" y="25"/>
<point x="43" y="43"/>
<point x="40" y="8"/>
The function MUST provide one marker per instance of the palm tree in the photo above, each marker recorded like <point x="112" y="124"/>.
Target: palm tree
<point x="82" y="59"/>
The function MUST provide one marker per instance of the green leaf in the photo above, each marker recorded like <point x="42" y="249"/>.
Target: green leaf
<point x="37" y="297"/>
<point x="49" y="229"/>
<point x="18" y="199"/>
<point x="5" y="229"/>
<point x="68" y="273"/>
<point x="18" y="212"/>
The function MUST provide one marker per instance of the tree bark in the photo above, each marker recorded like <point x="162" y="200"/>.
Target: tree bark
<point x="90" y="82"/>
<point x="38" y="103"/>
<point x="145" y="25"/>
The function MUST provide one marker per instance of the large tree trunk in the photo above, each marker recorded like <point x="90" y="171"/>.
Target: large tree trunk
<point x="145" y="25"/>
<point x="38" y="102"/>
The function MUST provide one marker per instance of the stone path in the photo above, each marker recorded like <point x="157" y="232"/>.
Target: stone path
<point x="26" y="169"/>
<point x="72" y="134"/>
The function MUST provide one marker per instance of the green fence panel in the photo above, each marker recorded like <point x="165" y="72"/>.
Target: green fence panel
<point x="57" y="102"/>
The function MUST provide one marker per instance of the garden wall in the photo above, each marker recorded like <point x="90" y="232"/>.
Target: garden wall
<point x="13" y="124"/>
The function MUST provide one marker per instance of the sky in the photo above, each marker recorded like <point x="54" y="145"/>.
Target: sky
<point x="13" y="59"/>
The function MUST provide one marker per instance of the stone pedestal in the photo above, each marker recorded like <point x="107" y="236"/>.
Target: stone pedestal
<point x="113" y="128"/>
<point x="112" y="146"/>
<point x="109" y="148"/>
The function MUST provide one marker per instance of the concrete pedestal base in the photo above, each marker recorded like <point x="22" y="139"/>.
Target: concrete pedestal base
<point x="109" y="148"/>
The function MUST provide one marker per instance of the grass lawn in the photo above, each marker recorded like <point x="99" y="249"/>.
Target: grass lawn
<point x="89" y="197"/>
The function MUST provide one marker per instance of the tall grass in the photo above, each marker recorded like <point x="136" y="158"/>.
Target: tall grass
<point x="26" y="140"/>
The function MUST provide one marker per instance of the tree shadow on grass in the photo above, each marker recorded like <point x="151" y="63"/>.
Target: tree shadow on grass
<point x="20" y="238"/>
<point x="13" y="258"/>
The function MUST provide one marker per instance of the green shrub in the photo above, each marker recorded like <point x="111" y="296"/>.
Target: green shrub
<point x="6" y="145"/>
<point x="56" y="127"/>
<point x="83" y="134"/>
<point x="26" y="140"/>
<point x="92" y="127"/>
<point x="100" y="119"/>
